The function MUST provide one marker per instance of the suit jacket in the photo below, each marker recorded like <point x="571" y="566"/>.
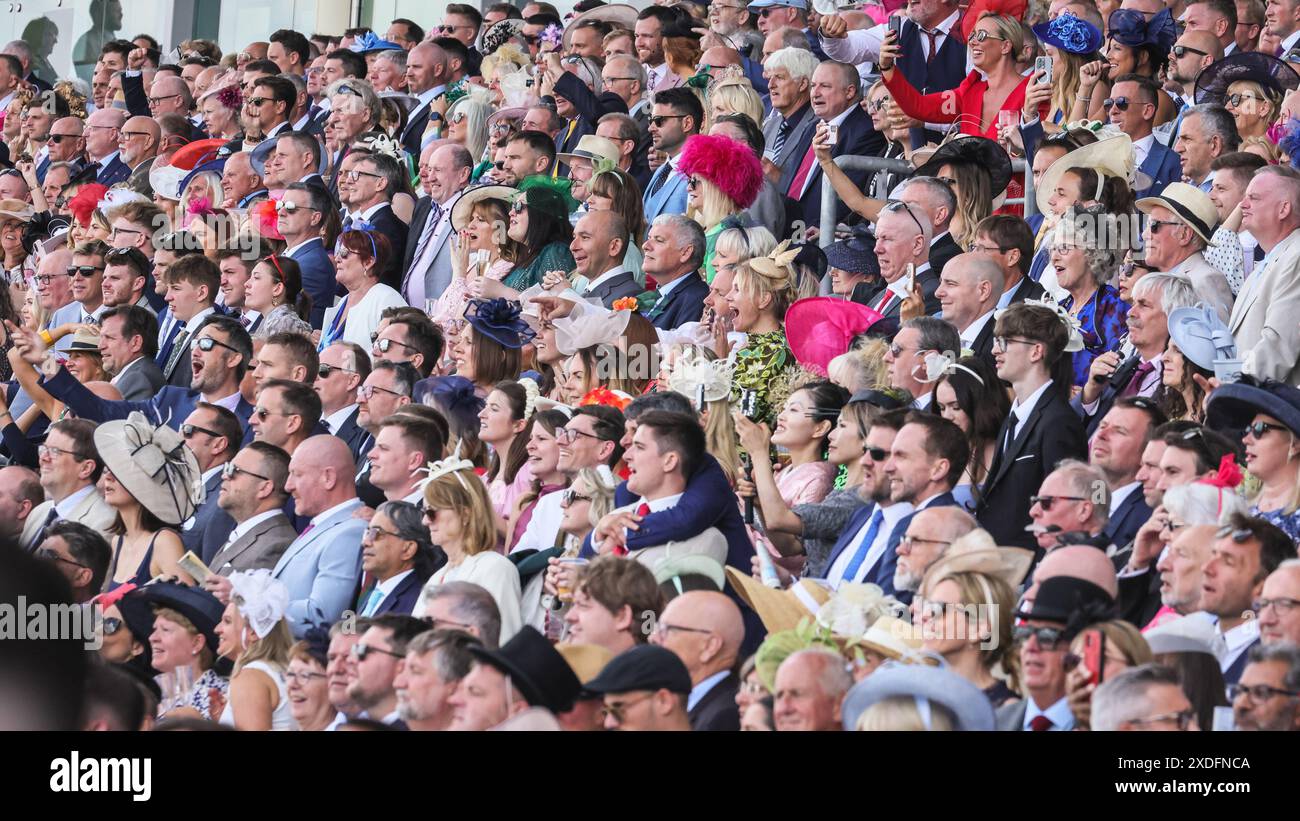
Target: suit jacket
<point x="1027" y="289"/>
<point x="321" y="569"/>
<point x="616" y="287"/>
<point x="1139" y="596"/>
<point x="1163" y="166"/>
<point x="640" y="167"/>
<point x="805" y="122"/>
<point x="92" y="511"/>
<point x="437" y="276"/>
<point x="671" y="196"/>
<point x="1052" y="432"/>
<point x="141" y="380"/>
<point x="882" y="572"/>
<point x="1122" y="526"/>
<point x="137" y="102"/>
<point x="942" y="249"/>
<point x="116" y="171"/>
<point x="684" y="303"/>
<point x="139" y="179"/>
<point x="181" y="369"/>
<point x="1010" y="717"/>
<point x="1263" y="318"/>
<point x="982" y="345"/>
<point x="403" y="598"/>
<point x="590" y="107"/>
<point x="210" y="526"/>
<point x="857" y="136"/>
<point x="717" y="710"/>
<point x="169" y="407"/>
<point x="354" y="436"/>
<point x="869" y="294"/>
<point x="396" y="231"/>
<point x="414" y="131"/>
<point x="317" y="278"/>
<point x="260" y="547"/>
<point x="1233" y="674"/>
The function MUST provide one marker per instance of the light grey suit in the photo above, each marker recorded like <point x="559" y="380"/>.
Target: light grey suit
<point x="1264" y="316"/>
<point x="92" y="511"/>
<point x="140" y="380"/>
<point x="321" y="568"/>
<point x="437" y="276"/>
<point x="1210" y="284"/>
<point x="786" y="160"/>
<point x="1010" y="717"/>
<point x="260" y="547"/>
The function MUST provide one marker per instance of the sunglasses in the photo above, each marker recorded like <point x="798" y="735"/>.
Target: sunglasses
<point x="1258" y="429"/>
<point x="1235" y="100"/>
<point x="229" y="471"/>
<point x="1048" y="637"/>
<point x="568" y="497"/>
<point x="1120" y="103"/>
<point x="83" y="271"/>
<point x="50" y="556"/>
<point x="374" y="532"/>
<point x="382" y="345"/>
<point x="207" y="343"/>
<point x="289" y="207"/>
<point x="361" y="650"/>
<point x="1155" y="225"/>
<point x="58" y="138"/>
<point x="255" y="102"/>
<point x="876" y="454"/>
<point x="981" y="36"/>
<point x="1238" y="535"/>
<point x="896" y="206"/>
<point x="1046" y="502"/>
<point x="188" y="431"/>
<point x="1183" y="51"/>
<point x="658" y="121"/>
<point x="326" y="371"/>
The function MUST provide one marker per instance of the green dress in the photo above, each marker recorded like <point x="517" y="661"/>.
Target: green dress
<point x="710" y="242"/>
<point x="554" y="257"/>
<point x="758" y="364"/>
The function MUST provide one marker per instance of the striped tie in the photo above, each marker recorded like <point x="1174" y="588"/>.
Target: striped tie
<point x="782" y="134"/>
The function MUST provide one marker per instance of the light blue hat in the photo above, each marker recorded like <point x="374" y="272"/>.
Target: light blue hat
<point x="927" y="685"/>
<point x="1201" y="335"/>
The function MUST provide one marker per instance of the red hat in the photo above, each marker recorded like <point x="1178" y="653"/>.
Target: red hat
<point x="86" y="201"/>
<point x="726" y="163"/>
<point x="821" y="328"/>
<point x="191" y="154"/>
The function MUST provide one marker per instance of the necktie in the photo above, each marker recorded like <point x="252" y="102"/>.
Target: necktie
<point x="40" y="534"/>
<point x="178" y="347"/>
<point x="1010" y="436"/>
<point x="413" y="290"/>
<point x="347" y="222"/>
<point x="245" y="321"/>
<point x="1039" y="724"/>
<point x="1139" y="376"/>
<point x="801" y="176"/>
<point x="934" y="45"/>
<point x="782" y="134"/>
<point x="661" y="177"/>
<point x="642" y="510"/>
<point x="306" y="530"/>
<point x="372" y="601"/>
<point x="873" y="528"/>
<point x="884" y="301"/>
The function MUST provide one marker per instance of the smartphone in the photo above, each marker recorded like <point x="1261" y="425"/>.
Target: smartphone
<point x="1094" y="655"/>
<point x="896" y="26"/>
<point x="1044" y="64"/>
<point x="749" y="403"/>
<point x="911" y="277"/>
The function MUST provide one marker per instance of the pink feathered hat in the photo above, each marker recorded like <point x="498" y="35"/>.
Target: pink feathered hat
<point x="818" y="329"/>
<point x="726" y="163"/>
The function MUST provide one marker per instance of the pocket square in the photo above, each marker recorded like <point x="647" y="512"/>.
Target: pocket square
<point x="1023" y="458"/>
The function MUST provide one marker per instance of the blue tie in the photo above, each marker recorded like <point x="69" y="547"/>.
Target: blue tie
<point x="873" y="527"/>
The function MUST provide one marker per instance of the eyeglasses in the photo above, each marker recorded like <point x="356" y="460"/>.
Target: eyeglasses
<point x="129" y="134"/>
<point x="153" y="101"/>
<point x="987" y="249"/>
<point x="896" y="206"/>
<point x="1001" y="342"/>
<point x="609" y="80"/>
<point x="230" y="470"/>
<point x="878" y="105"/>
<point x="355" y="175"/>
<point x="1234" y="100"/>
<point x="58" y="138"/>
<point x="663" y="628"/>
<point x="1183" y="51"/>
<point x="255" y="102"/>
<point x="567" y="436"/>
<point x="1183" y="719"/>
<point x="83" y="271"/>
<point x="908" y="540"/>
<point x="114" y="233"/>
<point x="382" y="345"/>
<point x="111" y="625"/>
<point x="371" y="533"/>
<point x="1048" y="637"/>
<point x="46" y="279"/>
<point x="446" y="624"/>
<point x="1170" y="526"/>
<point x="188" y="431"/>
<point x="104" y="127"/>
<point x="568" y="497"/>
<point x="290" y="207"/>
<point x="518" y="206"/>
<point x="326" y="371"/>
<point x="53" y="452"/>
<point x="658" y="120"/>
<point x="1258" y="692"/>
<point x="367" y="391"/>
<point x="207" y="343"/>
<point x="1046" y="502"/>
<point x="1281" y="604"/>
<point x="618" y="712"/>
<point x="302" y="678"/>
<point x="1120" y="103"/>
<point x="1258" y="429"/>
<point x="49" y="555"/>
<point x="876" y="454"/>
<point x="896" y="350"/>
<point x="1238" y="535"/>
<point x="980" y="36"/>
<point x="692" y="183"/>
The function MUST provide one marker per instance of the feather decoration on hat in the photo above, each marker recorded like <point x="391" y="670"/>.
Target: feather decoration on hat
<point x="442" y="467"/>
<point x="263" y="599"/>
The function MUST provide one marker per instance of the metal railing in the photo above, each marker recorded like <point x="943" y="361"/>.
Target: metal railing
<point x="856" y="162"/>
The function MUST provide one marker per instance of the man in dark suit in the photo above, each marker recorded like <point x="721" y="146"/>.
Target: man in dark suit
<point x="940" y="205"/>
<point x="705" y="630"/>
<point x="252" y="492"/>
<point x="343" y="367"/>
<point x="968" y="291"/>
<point x="902" y="240"/>
<point x="300" y="228"/>
<point x="835" y="98"/>
<point x="128" y="342"/>
<point x="193" y="282"/>
<point x="218" y="367"/>
<point x="674" y="252"/>
<point x="426" y="78"/>
<point x="1160" y="164"/>
<point x="599" y="242"/>
<point x="397" y="555"/>
<point x="576" y="102"/>
<point x="1041" y="429"/>
<point x="367" y="199"/>
<point x="214" y="436"/>
<point x="1116" y="450"/>
<point x="102" y="129"/>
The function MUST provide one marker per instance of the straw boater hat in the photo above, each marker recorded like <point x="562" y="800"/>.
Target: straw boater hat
<point x="1190" y="205"/>
<point x="153" y="464"/>
<point x="619" y="13"/>
<point x="1113" y="157"/>
<point x="16" y="210"/>
<point x="594" y="148"/>
<point x="460" y="212"/>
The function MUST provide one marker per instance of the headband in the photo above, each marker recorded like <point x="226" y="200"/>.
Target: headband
<point x="531" y="395"/>
<point x="1074" y="344"/>
<point x="276" y="263"/>
<point x="453" y="465"/>
<point x="939" y="365"/>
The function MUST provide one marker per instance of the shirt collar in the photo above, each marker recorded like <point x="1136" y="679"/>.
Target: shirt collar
<point x="195" y="321"/>
<point x="1059" y="714"/>
<point x="370" y="212"/>
<point x="975" y="328"/>
<point x="699" y="691"/>
<point x="1241" y="635"/>
<point x="229" y="402"/>
<point x="1120" y="495"/>
<point x="667" y="287"/>
<point x="608" y="275"/>
<point x="289" y="252"/>
<point x="1023" y="409"/>
<point x="839" y="119"/>
<point x="339" y="508"/>
<point x="70" y="502"/>
<point x="664" y="503"/>
<point x="387" y="586"/>
<point x="336" y="419"/>
<point x="107" y="161"/>
<point x="124" y="369"/>
<point x="247" y="525"/>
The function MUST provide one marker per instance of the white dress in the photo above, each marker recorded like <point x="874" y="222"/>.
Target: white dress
<point x="363" y="318"/>
<point x="494" y="573"/>
<point x="281" y="718"/>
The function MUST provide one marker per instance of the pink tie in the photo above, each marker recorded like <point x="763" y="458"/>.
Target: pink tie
<point x="801" y="176"/>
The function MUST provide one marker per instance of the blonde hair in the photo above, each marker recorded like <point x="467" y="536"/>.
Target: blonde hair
<point x="744" y="243"/>
<point x="1268" y="150"/>
<point x="206" y="657"/>
<point x="1010" y="29"/>
<point x="1065" y="87"/>
<point x="900" y="713"/>
<point x="1124" y="636"/>
<point x="737" y="96"/>
<point x="978" y="589"/>
<point x="476" y="113"/>
<point x="273" y="649"/>
<point x="756" y="285"/>
<point x="464" y="493"/>
<point x="602" y="498"/>
<point x="715" y="206"/>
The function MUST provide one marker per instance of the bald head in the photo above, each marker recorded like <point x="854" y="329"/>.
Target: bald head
<point x="321" y="475"/>
<point x="969" y="288"/>
<point x="109" y="117"/>
<point x="719" y="56"/>
<point x="705" y="653"/>
<point x="170" y="95"/>
<point x="138" y="140"/>
<point x="426" y="67"/>
<point x="1079" y="561"/>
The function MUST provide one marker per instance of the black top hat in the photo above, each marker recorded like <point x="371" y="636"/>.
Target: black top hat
<point x="644" y="667"/>
<point x="535" y="668"/>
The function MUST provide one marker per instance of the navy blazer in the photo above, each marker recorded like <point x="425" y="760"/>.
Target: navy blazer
<point x="414" y="132"/>
<point x="1027" y="289"/>
<point x="1163" y="166"/>
<point x="170" y="407"/>
<point x="856" y="136"/>
<point x="317" y="278"/>
<point x="1233" y="674"/>
<point x="684" y="303"/>
<point x="882" y="572"/>
<point x="353" y="435"/>
<point x="402" y="600"/>
<point x="117" y="171"/>
<point x="590" y="107"/>
<point x="716" y="710"/>
<point x="1122" y="526"/>
<point x="1039" y="263"/>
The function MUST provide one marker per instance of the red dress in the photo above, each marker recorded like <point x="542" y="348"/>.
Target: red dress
<point x="964" y="105"/>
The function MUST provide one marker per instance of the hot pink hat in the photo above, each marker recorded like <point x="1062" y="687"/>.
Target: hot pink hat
<point x="726" y="163"/>
<point x="821" y="328"/>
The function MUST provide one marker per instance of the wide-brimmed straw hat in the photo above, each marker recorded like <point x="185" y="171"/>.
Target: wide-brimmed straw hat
<point x="464" y="207"/>
<point x="1189" y="204"/>
<point x="1112" y="157"/>
<point x="154" y="465"/>
<point x="779" y="610"/>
